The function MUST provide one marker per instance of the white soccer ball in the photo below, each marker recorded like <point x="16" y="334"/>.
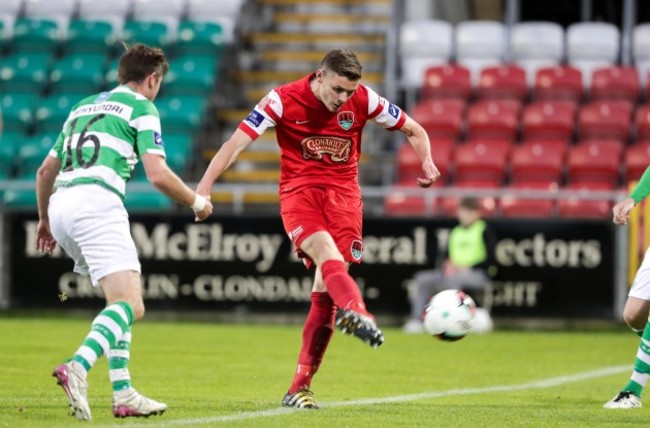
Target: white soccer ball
<point x="449" y="315"/>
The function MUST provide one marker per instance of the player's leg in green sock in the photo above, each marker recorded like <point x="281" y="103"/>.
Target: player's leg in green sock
<point x="641" y="372"/>
<point x="107" y="327"/>
<point x="118" y="363"/>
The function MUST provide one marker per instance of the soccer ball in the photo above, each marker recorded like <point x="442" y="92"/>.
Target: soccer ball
<point x="449" y="315"/>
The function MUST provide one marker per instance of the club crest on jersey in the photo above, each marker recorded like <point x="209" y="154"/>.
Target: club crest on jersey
<point x="101" y="97"/>
<point x="346" y="119"/>
<point x="356" y="249"/>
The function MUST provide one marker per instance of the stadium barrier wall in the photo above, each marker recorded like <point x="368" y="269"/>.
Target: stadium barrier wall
<point x="547" y="268"/>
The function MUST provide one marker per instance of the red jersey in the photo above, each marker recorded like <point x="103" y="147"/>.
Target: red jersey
<point x="318" y="147"/>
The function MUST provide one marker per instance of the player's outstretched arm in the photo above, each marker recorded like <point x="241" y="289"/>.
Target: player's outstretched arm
<point x="621" y="211"/>
<point x="418" y="138"/>
<point x="225" y="157"/>
<point x="164" y="179"/>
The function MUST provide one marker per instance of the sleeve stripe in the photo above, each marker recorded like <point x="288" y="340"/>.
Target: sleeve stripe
<point x="248" y="130"/>
<point x="146" y="123"/>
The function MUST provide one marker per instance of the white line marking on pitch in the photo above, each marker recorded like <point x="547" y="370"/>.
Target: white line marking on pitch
<point x="539" y="384"/>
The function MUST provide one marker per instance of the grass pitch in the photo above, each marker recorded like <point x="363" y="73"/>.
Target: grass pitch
<point x="236" y="375"/>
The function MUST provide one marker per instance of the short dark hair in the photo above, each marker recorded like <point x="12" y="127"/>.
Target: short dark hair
<point x="469" y="203"/>
<point x="139" y="61"/>
<point x="343" y="62"/>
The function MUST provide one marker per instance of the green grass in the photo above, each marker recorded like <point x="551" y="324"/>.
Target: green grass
<point x="207" y="371"/>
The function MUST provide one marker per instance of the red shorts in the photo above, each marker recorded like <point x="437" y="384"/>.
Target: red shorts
<point x="318" y="209"/>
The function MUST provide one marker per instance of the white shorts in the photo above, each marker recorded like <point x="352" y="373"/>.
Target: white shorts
<point x="91" y="224"/>
<point x="641" y="285"/>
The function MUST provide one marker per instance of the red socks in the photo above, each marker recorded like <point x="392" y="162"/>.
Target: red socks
<point x="341" y="287"/>
<point x="316" y="335"/>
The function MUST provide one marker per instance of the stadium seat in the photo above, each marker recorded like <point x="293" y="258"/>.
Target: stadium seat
<point x="493" y="119"/>
<point x="605" y="120"/>
<point x="19" y="199"/>
<point x="535" y="45"/>
<point x="24" y="72"/>
<point x="636" y="161"/>
<point x="641" y="50"/>
<point x="409" y="165"/>
<point x="90" y="36"/>
<point x="615" y="83"/>
<point x="475" y="162"/>
<point x="18" y="111"/>
<point x="399" y="203"/>
<point x="579" y="206"/>
<point x="152" y="9"/>
<point x="60" y="11"/>
<point x="79" y="74"/>
<point x="199" y="38"/>
<point x="488" y="204"/>
<point x="223" y="12"/>
<point x="642" y="123"/>
<point x="528" y="207"/>
<point x="9" y="144"/>
<point x="536" y="162"/>
<point x="560" y="82"/>
<point x="37" y="35"/>
<point x="190" y="75"/>
<point x="594" y="162"/>
<point x="178" y="149"/>
<point x="110" y="75"/>
<point x="423" y="43"/>
<point x="149" y="32"/>
<point x="180" y="114"/>
<point x="550" y="119"/>
<point x="480" y="44"/>
<point x="152" y="201"/>
<point x="503" y="82"/>
<point x="113" y="11"/>
<point x="592" y="45"/>
<point x="441" y="118"/>
<point x="446" y="81"/>
<point x="6" y="30"/>
<point x="52" y="112"/>
<point x="11" y="7"/>
<point x="32" y="153"/>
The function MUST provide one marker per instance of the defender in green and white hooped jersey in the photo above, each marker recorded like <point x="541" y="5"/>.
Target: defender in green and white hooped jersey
<point x="637" y="307"/>
<point x="80" y="190"/>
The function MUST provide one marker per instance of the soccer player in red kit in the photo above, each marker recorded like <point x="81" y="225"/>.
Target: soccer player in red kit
<point x="318" y="121"/>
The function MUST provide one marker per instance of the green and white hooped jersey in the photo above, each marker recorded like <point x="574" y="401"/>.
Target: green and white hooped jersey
<point x="103" y="138"/>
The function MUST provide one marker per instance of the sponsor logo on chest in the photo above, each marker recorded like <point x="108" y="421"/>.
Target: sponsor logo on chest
<point x="337" y="148"/>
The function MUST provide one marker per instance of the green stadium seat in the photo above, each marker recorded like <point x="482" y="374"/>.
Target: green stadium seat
<point x="178" y="149"/>
<point x="20" y="199"/>
<point x="79" y="74"/>
<point x="110" y="76"/>
<point x="22" y="72"/>
<point x="10" y="142"/>
<point x="35" y="35"/>
<point x="17" y="111"/>
<point x="147" y="201"/>
<point x="152" y="33"/>
<point x="90" y="36"/>
<point x="191" y="75"/>
<point x="32" y="153"/>
<point x="199" y="38"/>
<point x="180" y="114"/>
<point x="52" y="112"/>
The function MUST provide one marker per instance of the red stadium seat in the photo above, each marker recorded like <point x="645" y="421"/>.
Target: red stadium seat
<point x="537" y="162"/>
<point x="493" y="119"/>
<point x="447" y="81"/>
<point x="398" y="202"/>
<point x="579" y="207"/>
<point x="642" y="123"/>
<point x="594" y="162"/>
<point x="559" y="82"/>
<point x="440" y="117"/>
<point x="549" y="119"/>
<point x="517" y="206"/>
<point x="605" y="120"/>
<point x="488" y="205"/>
<point x="615" y="83"/>
<point x="476" y="162"/>
<point x="503" y="82"/>
<point x="637" y="159"/>
<point x="409" y="165"/>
